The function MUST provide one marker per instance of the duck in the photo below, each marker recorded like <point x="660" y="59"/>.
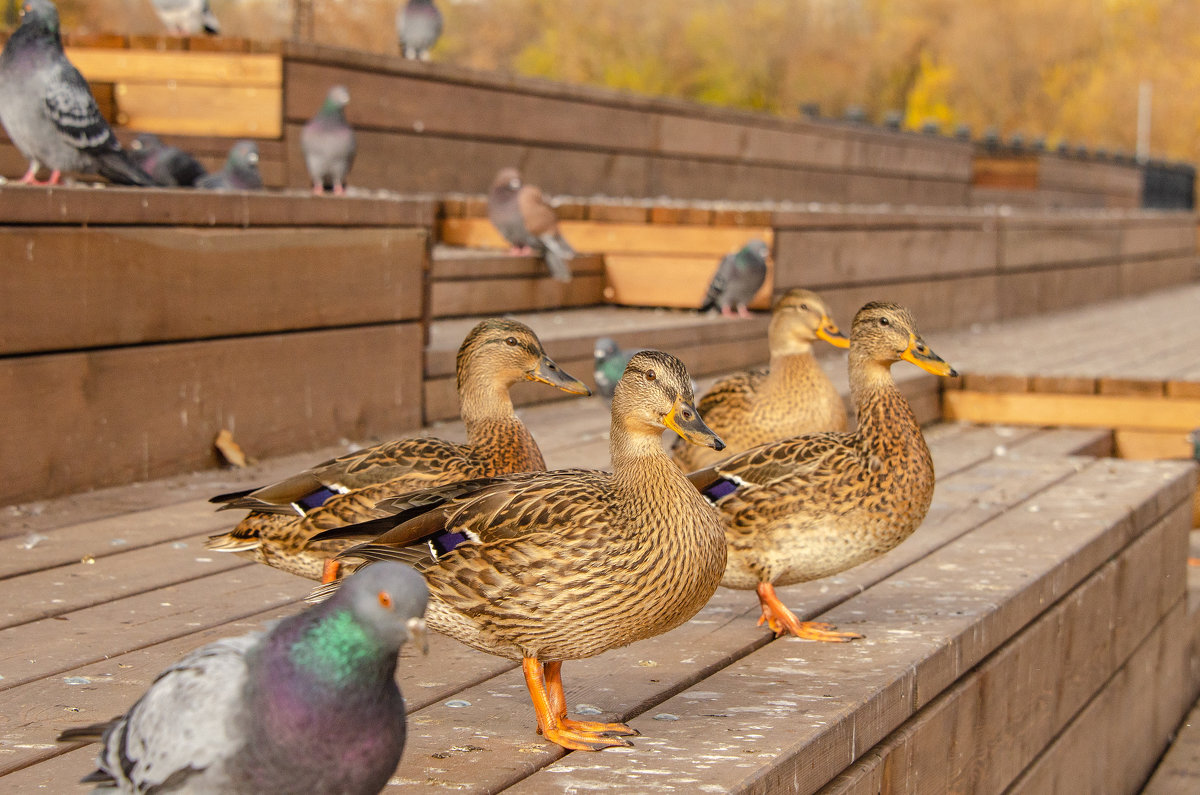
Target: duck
<point x="497" y="353"/>
<point x="790" y="397"/>
<point x="545" y="567"/>
<point x="815" y="505"/>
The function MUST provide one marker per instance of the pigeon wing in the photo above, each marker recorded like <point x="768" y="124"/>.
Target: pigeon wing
<point x="201" y="692"/>
<point x="72" y="108"/>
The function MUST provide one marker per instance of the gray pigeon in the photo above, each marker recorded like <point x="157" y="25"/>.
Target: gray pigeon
<point x="328" y="143"/>
<point x="48" y="108"/>
<point x="240" y="171"/>
<point x="737" y="279"/>
<point x="522" y="216"/>
<point x="167" y="165"/>
<point x="418" y="26"/>
<point x="309" y="705"/>
<point x="187" y="17"/>
<point x="608" y="365"/>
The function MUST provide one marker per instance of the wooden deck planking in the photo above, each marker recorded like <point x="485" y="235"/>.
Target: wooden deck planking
<point x="983" y="445"/>
<point x="769" y="720"/>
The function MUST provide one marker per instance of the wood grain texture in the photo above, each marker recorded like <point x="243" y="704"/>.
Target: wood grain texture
<point x="106" y="286"/>
<point x="1098" y="411"/>
<point x="110" y="416"/>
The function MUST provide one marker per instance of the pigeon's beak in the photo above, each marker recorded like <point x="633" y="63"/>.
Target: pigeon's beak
<point x="547" y="372"/>
<point x="252" y="157"/>
<point x="417" y="634"/>
<point x="515" y="184"/>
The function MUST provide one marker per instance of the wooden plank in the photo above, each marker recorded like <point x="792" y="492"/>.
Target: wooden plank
<point x="945" y="746"/>
<point x="1179" y="771"/>
<point x="1152" y="444"/>
<point x="860" y="249"/>
<point x="196" y="68"/>
<point x="180" y="109"/>
<point x="1115" y="742"/>
<point x="985" y="730"/>
<point x="174" y="284"/>
<point x="787" y="729"/>
<point x="617" y="238"/>
<point x="20" y="204"/>
<point x="671" y="281"/>
<point x="1097" y="411"/>
<point x="500" y="296"/>
<point x="52" y="646"/>
<point x="463" y="263"/>
<point x="95" y="418"/>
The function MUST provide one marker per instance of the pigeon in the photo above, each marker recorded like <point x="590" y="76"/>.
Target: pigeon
<point x="522" y="216"/>
<point x="166" y="165"/>
<point x="187" y="17"/>
<point x="608" y="365"/>
<point x="309" y="705"/>
<point x="240" y="171"/>
<point x="418" y="26"/>
<point x="328" y="143"/>
<point x="737" y="279"/>
<point x="48" y="108"/>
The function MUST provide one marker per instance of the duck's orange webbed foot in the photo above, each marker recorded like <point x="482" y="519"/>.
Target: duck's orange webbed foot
<point x="782" y="621"/>
<point x="549" y="702"/>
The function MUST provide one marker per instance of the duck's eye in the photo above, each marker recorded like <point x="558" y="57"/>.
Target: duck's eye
<point x="385" y="600"/>
<point x="511" y="341"/>
<point x="804" y="307"/>
<point x="651" y="375"/>
<point x="686" y="414"/>
<point x="883" y="321"/>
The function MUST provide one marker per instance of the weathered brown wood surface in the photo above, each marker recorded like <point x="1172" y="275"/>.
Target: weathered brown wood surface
<point x="473" y="282"/>
<point x="984" y="565"/>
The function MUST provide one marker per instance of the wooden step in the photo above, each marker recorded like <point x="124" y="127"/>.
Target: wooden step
<point x="471" y="282"/>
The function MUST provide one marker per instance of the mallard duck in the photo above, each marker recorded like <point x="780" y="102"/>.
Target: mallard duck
<point x="495" y="355"/>
<point x="815" y="505"/>
<point x="551" y="566"/>
<point x="792" y="396"/>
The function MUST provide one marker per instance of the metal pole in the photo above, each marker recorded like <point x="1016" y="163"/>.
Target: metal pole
<point x="1145" y="95"/>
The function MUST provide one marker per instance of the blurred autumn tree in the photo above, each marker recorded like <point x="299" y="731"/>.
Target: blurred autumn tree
<point x="1068" y="70"/>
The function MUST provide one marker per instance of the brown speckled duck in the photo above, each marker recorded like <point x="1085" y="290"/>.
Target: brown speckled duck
<point x="815" y="505"/>
<point x="793" y="396"/>
<point x="283" y="516"/>
<point x="551" y="566"/>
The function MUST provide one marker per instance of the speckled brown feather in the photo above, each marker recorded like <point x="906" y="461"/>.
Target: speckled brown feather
<point x="566" y="564"/>
<point x="498" y="443"/>
<point x="815" y="505"/>
<point x="793" y="396"/>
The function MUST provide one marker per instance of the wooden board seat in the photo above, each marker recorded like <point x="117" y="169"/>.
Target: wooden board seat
<point x="468" y="282"/>
<point x="1023" y="539"/>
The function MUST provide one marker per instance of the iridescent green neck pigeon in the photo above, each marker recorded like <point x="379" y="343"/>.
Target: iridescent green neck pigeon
<point x="311" y="705"/>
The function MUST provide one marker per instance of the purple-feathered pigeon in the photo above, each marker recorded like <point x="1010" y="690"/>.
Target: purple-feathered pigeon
<point x="737" y="279"/>
<point x="240" y="171"/>
<point x="187" y="17"/>
<point x="166" y="165"/>
<point x="418" y="26"/>
<point x="328" y="143"/>
<point x="48" y="108"/>
<point x="522" y="216"/>
<point x="311" y="705"/>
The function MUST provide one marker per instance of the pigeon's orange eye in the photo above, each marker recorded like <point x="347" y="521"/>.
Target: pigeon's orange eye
<point x="385" y="599"/>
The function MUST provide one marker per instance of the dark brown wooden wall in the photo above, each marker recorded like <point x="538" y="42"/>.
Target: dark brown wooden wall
<point x="138" y="324"/>
<point x="440" y="128"/>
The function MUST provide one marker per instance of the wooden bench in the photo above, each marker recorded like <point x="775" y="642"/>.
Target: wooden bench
<point x="653" y="255"/>
<point x="1029" y="557"/>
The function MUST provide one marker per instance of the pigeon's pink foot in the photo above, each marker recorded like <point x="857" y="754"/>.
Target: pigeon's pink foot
<point x="55" y="178"/>
<point x="339" y="190"/>
<point x="727" y="311"/>
<point x="30" y="177"/>
<point x="520" y="251"/>
<point x="743" y="312"/>
<point x="318" y="189"/>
